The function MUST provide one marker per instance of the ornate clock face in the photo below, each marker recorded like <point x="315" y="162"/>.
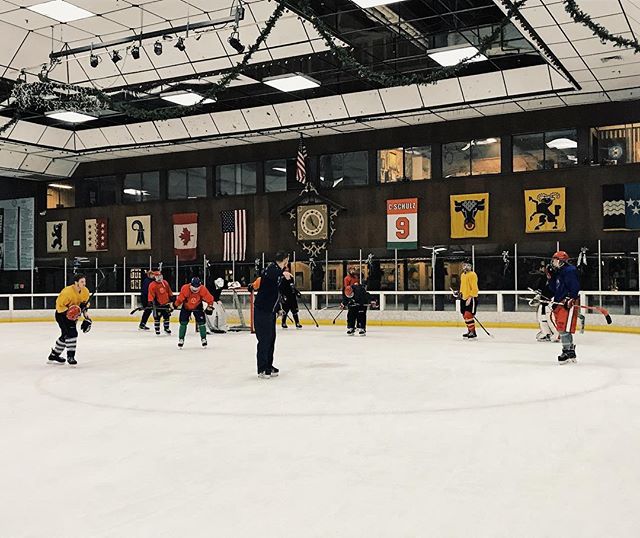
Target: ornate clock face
<point x="312" y="222"/>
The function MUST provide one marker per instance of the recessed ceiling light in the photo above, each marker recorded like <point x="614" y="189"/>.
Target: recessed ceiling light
<point x="455" y="55"/>
<point x="291" y="82"/>
<point x="61" y="11"/>
<point x="186" y="98"/>
<point x="60" y="186"/>
<point x="562" y="143"/>
<point x="69" y="117"/>
<point x="375" y="3"/>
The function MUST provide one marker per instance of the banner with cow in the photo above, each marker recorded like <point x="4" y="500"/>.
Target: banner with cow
<point x="545" y="210"/>
<point x="469" y="215"/>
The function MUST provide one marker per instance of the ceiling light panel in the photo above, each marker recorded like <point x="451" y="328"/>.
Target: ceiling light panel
<point x="186" y="98"/>
<point x="70" y="117"/>
<point x="453" y="56"/>
<point x="292" y="82"/>
<point x="376" y="3"/>
<point x="62" y="11"/>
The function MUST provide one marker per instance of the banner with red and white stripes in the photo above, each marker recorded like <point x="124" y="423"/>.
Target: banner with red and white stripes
<point x="234" y="233"/>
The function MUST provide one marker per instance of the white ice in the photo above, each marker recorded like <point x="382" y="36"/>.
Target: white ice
<point x="407" y="432"/>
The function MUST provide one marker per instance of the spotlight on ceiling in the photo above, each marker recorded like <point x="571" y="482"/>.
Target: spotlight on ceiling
<point x="157" y="48"/>
<point x="115" y="57"/>
<point x="180" y="44"/>
<point x="94" y="60"/>
<point x="135" y="52"/>
<point x="235" y="43"/>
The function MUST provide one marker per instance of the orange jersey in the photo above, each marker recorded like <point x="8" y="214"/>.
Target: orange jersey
<point x="193" y="300"/>
<point x="350" y="281"/>
<point x="160" y="292"/>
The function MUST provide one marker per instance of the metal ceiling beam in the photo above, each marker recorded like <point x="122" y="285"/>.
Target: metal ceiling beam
<point x="236" y="17"/>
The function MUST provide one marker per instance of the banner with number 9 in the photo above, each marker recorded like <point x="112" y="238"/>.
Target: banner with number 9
<point x="402" y="224"/>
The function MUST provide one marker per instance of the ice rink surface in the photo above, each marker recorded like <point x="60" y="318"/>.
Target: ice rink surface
<point x="404" y="433"/>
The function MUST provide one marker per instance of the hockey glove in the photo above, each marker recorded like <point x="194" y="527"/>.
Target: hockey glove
<point x="85" y="327"/>
<point x="568" y="303"/>
<point x="209" y="310"/>
<point x="83" y="306"/>
<point x="298" y="294"/>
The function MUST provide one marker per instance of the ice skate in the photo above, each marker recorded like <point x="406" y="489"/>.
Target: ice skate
<point x="568" y="356"/>
<point x="264" y="375"/>
<point x="274" y="371"/>
<point x="469" y="335"/>
<point x="203" y="341"/>
<point x="298" y="326"/>
<point x="167" y="331"/>
<point x="362" y="332"/>
<point x="351" y="331"/>
<point x="54" y="358"/>
<point x="143" y="328"/>
<point x="180" y="343"/>
<point x="72" y="360"/>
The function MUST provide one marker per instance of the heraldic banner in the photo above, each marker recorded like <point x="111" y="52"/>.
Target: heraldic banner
<point x="139" y="232"/>
<point x="96" y="232"/>
<point x="185" y="236"/>
<point x="57" y="236"/>
<point x="545" y="210"/>
<point x="469" y="215"/>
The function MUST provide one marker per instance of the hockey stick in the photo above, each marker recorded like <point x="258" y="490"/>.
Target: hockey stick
<point x="481" y="325"/>
<point x="602" y="311"/>
<point x="305" y="305"/>
<point x="339" y="313"/>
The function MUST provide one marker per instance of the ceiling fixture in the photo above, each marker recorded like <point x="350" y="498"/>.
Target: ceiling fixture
<point x="157" y="48"/>
<point x="94" y="60"/>
<point x="60" y="186"/>
<point x="234" y="41"/>
<point x="60" y="10"/>
<point x="375" y="3"/>
<point x="186" y="98"/>
<point x="69" y="116"/>
<point x="291" y="82"/>
<point x="562" y="143"/>
<point x="135" y="52"/>
<point x="180" y="44"/>
<point x="454" y="55"/>
<point x="115" y="57"/>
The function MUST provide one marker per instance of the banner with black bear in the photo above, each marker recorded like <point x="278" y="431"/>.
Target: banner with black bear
<point x="57" y="236"/>
<point x="545" y="210"/>
<point x="469" y="215"/>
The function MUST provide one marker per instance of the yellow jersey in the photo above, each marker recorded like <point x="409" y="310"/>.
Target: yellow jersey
<point x="69" y="296"/>
<point x="468" y="285"/>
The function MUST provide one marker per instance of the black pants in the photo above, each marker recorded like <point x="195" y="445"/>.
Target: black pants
<point x="469" y="308"/>
<point x="265" y="326"/>
<point x="68" y="335"/>
<point x="357" y="316"/>
<point x="161" y="313"/>
<point x="145" y="315"/>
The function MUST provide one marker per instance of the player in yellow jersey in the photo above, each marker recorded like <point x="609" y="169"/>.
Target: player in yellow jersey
<point x="469" y="298"/>
<point x="72" y="302"/>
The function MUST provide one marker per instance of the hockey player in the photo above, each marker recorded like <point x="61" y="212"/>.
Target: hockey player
<point x="191" y="296"/>
<point x="266" y="306"/>
<point x="72" y="302"/>
<point x="565" y="287"/>
<point x="289" y="297"/>
<point x="469" y="298"/>
<point x="548" y="331"/>
<point x="356" y="299"/>
<point x="144" y="299"/>
<point x="161" y="298"/>
<point x="351" y="278"/>
<point x="217" y="322"/>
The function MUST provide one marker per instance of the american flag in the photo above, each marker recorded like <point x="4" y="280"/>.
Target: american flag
<point x="301" y="163"/>
<point x="234" y="232"/>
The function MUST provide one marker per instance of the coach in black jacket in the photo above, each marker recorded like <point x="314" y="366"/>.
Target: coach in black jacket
<point x="265" y="309"/>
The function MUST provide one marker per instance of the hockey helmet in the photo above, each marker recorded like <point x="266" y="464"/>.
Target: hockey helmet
<point x="156" y="275"/>
<point x="353" y="270"/>
<point x="73" y="313"/>
<point x="195" y="283"/>
<point x="466" y="265"/>
<point x="560" y="255"/>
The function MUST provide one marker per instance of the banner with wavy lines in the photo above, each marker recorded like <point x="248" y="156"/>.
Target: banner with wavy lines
<point x="621" y="206"/>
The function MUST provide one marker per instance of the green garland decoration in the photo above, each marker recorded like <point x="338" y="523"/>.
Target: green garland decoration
<point x="346" y="59"/>
<point x="600" y="31"/>
<point x="10" y="123"/>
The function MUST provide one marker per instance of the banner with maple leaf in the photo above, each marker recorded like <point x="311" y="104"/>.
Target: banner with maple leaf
<point x="185" y="236"/>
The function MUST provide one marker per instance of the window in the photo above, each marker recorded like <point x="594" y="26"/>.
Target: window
<point x="417" y="163"/>
<point x="61" y="194"/>
<point x="275" y="175"/>
<point x="616" y="144"/>
<point x="187" y="183"/>
<point x="344" y="169"/>
<point x="473" y="158"/>
<point x="390" y="165"/>
<point x="237" y="178"/>
<point x="141" y="187"/>
<point x="100" y="190"/>
<point x="545" y="151"/>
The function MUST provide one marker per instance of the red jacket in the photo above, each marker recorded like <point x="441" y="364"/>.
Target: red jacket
<point x="193" y="300"/>
<point x="160" y="292"/>
<point x="350" y="281"/>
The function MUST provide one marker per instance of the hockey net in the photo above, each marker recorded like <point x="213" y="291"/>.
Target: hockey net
<point x="243" y="309"/>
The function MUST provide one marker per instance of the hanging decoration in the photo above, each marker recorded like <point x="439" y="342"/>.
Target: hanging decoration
<point x="579" y="16"/>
